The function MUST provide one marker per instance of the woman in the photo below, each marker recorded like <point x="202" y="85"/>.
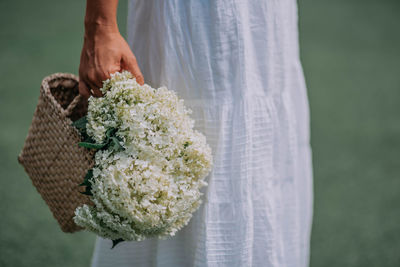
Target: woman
<point x="236" y="64"/>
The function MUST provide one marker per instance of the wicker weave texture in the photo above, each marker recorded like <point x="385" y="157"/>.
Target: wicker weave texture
<point x="51" y="156"/>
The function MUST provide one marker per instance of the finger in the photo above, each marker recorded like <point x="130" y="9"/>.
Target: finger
<point x="83" y="89"/>
<point x="103" y="75"/>
<point x="94" y="90"/>
<point x="114" y="69"/>
<point x="94" y="81"/>
<point x="131" y="65"/>
<point x="97" y="93"/>
<point x="92" y="86"/>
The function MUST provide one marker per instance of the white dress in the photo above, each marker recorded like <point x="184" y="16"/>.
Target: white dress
<point x="236" y="64"/>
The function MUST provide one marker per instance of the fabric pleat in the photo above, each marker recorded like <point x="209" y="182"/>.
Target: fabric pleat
<point x="236" y="65"/>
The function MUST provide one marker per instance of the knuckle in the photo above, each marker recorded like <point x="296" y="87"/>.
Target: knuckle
<point x="97" y="93"/>
<point x="103" y="76"/>
<point x="83" y="90"/>
<point x="91" y="76"/>
<point x="139" y="78"/>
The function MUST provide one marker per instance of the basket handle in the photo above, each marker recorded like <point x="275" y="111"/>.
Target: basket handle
<point x="68" y="111"/>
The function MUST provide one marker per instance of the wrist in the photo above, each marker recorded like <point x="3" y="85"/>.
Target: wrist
<point x="99" y="21"/>
<point x="97" y="27"/>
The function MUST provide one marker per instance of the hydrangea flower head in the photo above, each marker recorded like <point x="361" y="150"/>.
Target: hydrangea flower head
<point x="151" y="187"/>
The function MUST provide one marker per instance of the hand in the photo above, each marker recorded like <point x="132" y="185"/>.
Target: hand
<point x="104" y="52"/>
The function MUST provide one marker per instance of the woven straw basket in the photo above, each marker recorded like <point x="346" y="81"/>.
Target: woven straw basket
<point x="51" y="156"/>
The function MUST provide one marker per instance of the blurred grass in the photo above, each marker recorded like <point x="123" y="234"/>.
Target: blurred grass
<point x="350" y="54"/>
<point x="37" y="38"/>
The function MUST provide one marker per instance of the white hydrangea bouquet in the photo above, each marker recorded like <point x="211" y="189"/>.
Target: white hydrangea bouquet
<point x="149" y="165"/>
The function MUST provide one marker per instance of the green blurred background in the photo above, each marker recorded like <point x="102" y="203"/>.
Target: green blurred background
<point x="351" y="59"/>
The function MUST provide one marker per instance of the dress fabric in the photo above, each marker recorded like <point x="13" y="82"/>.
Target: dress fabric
<point x="236" y="65"/>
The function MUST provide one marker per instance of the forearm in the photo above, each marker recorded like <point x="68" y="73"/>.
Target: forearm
<point x="100" y="14"/>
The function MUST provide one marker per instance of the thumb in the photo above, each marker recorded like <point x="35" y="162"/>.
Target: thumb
<point x="130" y="64"/>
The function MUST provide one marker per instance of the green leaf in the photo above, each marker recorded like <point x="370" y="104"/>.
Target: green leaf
<point x="91" y="145"/>
<point x="110" y="132"/>
<point x="88" y="176"/>
<point x="116" y="241"/>
<point x="116" y="146"/>
<point x="87" y="139"/>
<point x="86" y="182"/>
<point x="186" y="144"/>
<point x="80" y="123"/>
